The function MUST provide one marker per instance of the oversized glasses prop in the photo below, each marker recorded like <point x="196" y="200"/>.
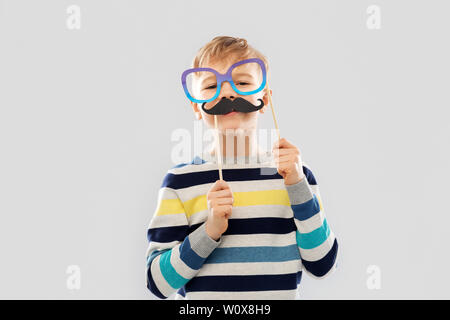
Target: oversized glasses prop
<point x="246" y="77"/>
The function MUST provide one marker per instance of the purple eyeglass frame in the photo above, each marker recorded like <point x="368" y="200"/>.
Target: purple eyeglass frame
<point x="224" y="77"/>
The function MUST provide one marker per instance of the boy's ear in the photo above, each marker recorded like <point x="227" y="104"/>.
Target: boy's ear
<point x="195" y="108"/>
<point x="266" y="100"/>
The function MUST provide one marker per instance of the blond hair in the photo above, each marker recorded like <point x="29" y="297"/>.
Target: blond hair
<point x="225" y="47"/>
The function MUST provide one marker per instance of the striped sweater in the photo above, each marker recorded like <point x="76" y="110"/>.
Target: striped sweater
<point x="275" y="233"/>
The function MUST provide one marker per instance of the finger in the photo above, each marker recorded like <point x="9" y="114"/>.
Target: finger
<point x="219" y="185"/>
<point x="223" y="210"/>
<point x="223" y="201"/>
<point x="225" y="193"/>
<point x="293" y="156"/>
<point x="282" y="152"/>
<point x="283" y="143"/>
<point x="286" y="158"/>
<point x="223" y="185"/>
<point x="284" y="166"/>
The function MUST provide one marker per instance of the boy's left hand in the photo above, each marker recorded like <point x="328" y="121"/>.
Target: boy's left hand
<point x="288" y="161"/>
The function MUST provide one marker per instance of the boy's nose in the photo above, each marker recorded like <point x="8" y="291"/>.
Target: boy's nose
<point x="227" y="91"/>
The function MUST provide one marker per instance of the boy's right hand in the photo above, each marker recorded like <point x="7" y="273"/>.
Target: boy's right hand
<point x="220" y="202"/>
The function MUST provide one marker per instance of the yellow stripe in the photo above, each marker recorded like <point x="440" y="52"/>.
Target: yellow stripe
<point x="169" y="206"/>
<point x="320" y="202"/>
<point x="241" y="199"/>
<point x="194" y="205"/>
<point x="253" y="198"/>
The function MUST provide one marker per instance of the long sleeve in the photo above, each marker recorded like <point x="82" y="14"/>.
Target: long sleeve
<point x="174" y="255"/>
<point x="316" y="241"/>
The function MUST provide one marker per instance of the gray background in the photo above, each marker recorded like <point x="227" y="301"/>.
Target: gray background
<point x="86" y="118"/>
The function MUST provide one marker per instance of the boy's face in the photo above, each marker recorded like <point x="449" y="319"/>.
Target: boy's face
<point x="232" y="120"/>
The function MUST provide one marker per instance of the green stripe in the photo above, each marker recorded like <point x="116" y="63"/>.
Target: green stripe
<point x="314" y="238"/>
<point x="169" y="273"/>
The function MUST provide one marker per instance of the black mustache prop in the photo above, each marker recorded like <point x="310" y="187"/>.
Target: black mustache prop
<point x="226" y="105"/>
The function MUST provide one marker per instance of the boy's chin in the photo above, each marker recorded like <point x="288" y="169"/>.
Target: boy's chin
<point x="232" y="125"/>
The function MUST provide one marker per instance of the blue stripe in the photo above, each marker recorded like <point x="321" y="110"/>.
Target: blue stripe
<point x="167" y="234"/>
<point x="150" y="283"/>
<point x="254" y="254"/>
<point x="307" y="209"/>
<point x="243" y="283"/>
<point x="152" y="256"/>
<point x="182" y="292"/>
<point x="255" y="226"/>
<point x="235" y="226"/>
<point x="309" y="176"/>
<point x="169" y="273"/>
<point x="189" y="256"/>
<point x="299" y="277"/>
<point x="184" y="180"/>
<point x="260" y="225"/>
<point x="320" y="267"/>
<point x="314" y="238"/>
<point x="152" y="286"/>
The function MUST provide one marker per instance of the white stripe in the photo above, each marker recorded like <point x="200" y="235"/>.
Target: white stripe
<point x="169" y="220"/>
<point x="262" y="211"/>
<point x="166" y="193"/>
<point x="260" y="239"/>
<point x="250" y="268"/>
<point x="240" y="295"/>
<point x="311" y="224"/>
<point x="162" y="245"/>
<point x="198" y="217"/>
<point x="319" y="252"/>
<point x="159" y="280"/>
<point x="149" y="252"/>
<point x="194" y="191"/>
<point x="315" y="189"/>
<point x="258" y="211"/>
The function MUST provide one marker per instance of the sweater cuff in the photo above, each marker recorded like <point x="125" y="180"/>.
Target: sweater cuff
<point x="201" y="242"/>
<point x="299" y="192"/>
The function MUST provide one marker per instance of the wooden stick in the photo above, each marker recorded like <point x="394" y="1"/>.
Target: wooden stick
<point x="218" y="153"/>
<point x="273" y="111"/>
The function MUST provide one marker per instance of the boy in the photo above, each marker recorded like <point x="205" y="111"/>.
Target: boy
<point x="250" y="235"/>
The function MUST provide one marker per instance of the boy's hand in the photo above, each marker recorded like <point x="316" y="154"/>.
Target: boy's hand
<point x="220" y="202"/>
<point x="288" y="161"/>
